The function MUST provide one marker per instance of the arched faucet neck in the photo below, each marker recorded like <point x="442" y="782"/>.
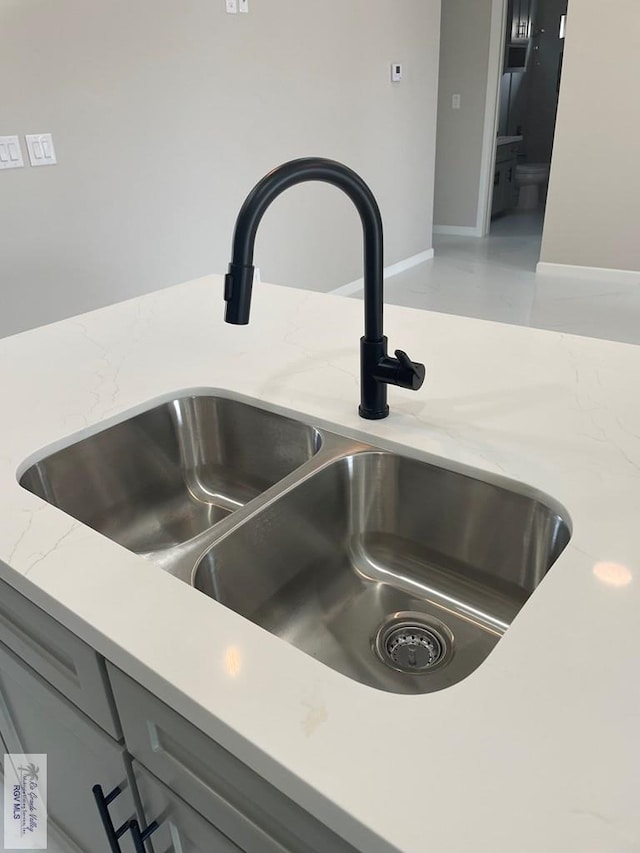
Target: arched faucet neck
<point x="238" y="289"/>
<point x="377" y="368"/>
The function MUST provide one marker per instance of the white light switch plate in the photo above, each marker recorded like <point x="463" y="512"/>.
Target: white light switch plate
<point x="41" y="150"/>
<point x="396" y="72"/>
<point x="243" y="6"/>
<point x="10" y="153"/>
<point x="231" y="6"/>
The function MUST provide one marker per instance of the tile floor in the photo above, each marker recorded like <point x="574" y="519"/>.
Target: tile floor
<point x="494" y="279"/>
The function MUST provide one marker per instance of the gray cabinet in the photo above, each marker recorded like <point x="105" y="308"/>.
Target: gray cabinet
<point x="240" y="804"/>
<point x="519" y="20"/>
<point x="180" y="828"/>
<point x="60" y="657"/>
<point x="35" y="718"/>
<point x="504" y="187"/>
<point x="505" y="192"/>
<point x="60" y="698"/>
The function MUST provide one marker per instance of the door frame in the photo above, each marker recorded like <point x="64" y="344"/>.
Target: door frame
<point x="497" y="41"/>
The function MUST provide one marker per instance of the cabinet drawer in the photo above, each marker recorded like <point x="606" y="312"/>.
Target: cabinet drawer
<point x="35" y="718"/>
<point x="60" y="657"/>
<point x="242" y="805"/>
<point x="180" y="829"/>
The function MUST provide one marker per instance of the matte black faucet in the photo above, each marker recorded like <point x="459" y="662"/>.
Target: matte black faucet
<point x="377" y="369"/>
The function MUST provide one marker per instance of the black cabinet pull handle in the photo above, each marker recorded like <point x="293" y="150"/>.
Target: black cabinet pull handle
<point x="103" y="802"/>
<point x="141" y="835"/>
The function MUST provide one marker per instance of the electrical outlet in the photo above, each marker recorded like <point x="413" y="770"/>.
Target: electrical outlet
<point x="10" y="153"/>
<point x="243" y="6"/>
<point x="232" y="6"/>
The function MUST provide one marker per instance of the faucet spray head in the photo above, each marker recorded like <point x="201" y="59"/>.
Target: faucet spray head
<point x="238" y="284"/>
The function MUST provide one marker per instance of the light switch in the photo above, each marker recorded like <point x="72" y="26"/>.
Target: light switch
<point x="396" y="72"/>
<point x="243" y="6"/>
<point x="41" y="150"/>
<point x="231" y="7"/>
<point x="10" y="153"/>
<point x="455" y="102"/>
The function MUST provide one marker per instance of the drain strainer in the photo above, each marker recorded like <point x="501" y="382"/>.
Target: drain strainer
<point x="413" y="648"/>
<point x="412" y="643"/>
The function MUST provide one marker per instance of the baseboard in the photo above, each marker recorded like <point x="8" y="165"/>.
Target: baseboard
<point x="457" y="231"/>
<point x="589" y="273"/>
<point x="389" y="272"/>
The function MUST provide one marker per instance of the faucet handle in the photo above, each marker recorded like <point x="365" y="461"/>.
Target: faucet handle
<point x="410" y="374"/>
<point x="399" y="371"/>
<point x="379" y="370"/>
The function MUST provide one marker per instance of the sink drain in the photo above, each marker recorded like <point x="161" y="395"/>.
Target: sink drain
<point x="409" y="643"/>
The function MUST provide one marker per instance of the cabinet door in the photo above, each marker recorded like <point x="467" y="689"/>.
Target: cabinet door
<point x="60" y="657"/>
<point x="511" y="196"/>
<point x="34" y="718"/>
<point x="498" y="202"/>
<point x="180" y="828"/>
<point x="241" y="804"/>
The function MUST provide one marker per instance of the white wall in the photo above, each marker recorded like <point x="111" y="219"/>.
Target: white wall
<point x="593" y="209"/>
<point x="166" y="112"/>
<point x="464" y="65"/>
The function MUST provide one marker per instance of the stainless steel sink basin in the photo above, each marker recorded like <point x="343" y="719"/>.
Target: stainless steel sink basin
<point x="163" y="477"/>
<point x="397" y="573"/>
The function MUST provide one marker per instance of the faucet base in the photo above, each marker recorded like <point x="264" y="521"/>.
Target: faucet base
<point x="373" y="415"/>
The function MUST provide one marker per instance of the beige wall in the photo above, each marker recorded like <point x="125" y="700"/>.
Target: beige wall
<point x="593" y="210"/>
<point x="464" y="64"/>
<point x="166" y="112"/>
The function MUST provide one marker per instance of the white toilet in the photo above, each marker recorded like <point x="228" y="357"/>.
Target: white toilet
<point x="532" y="179"/>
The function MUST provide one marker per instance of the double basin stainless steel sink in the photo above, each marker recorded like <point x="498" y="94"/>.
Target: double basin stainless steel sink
<point x="401" y="574"/>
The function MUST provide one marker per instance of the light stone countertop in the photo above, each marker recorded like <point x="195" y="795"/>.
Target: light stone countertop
<point x="538" y="750"/>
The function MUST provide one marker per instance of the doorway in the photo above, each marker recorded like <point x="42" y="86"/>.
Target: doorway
<point x="527" y="104"/>
<point x="490" y="52"/>
<point x="525" y="112"/>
